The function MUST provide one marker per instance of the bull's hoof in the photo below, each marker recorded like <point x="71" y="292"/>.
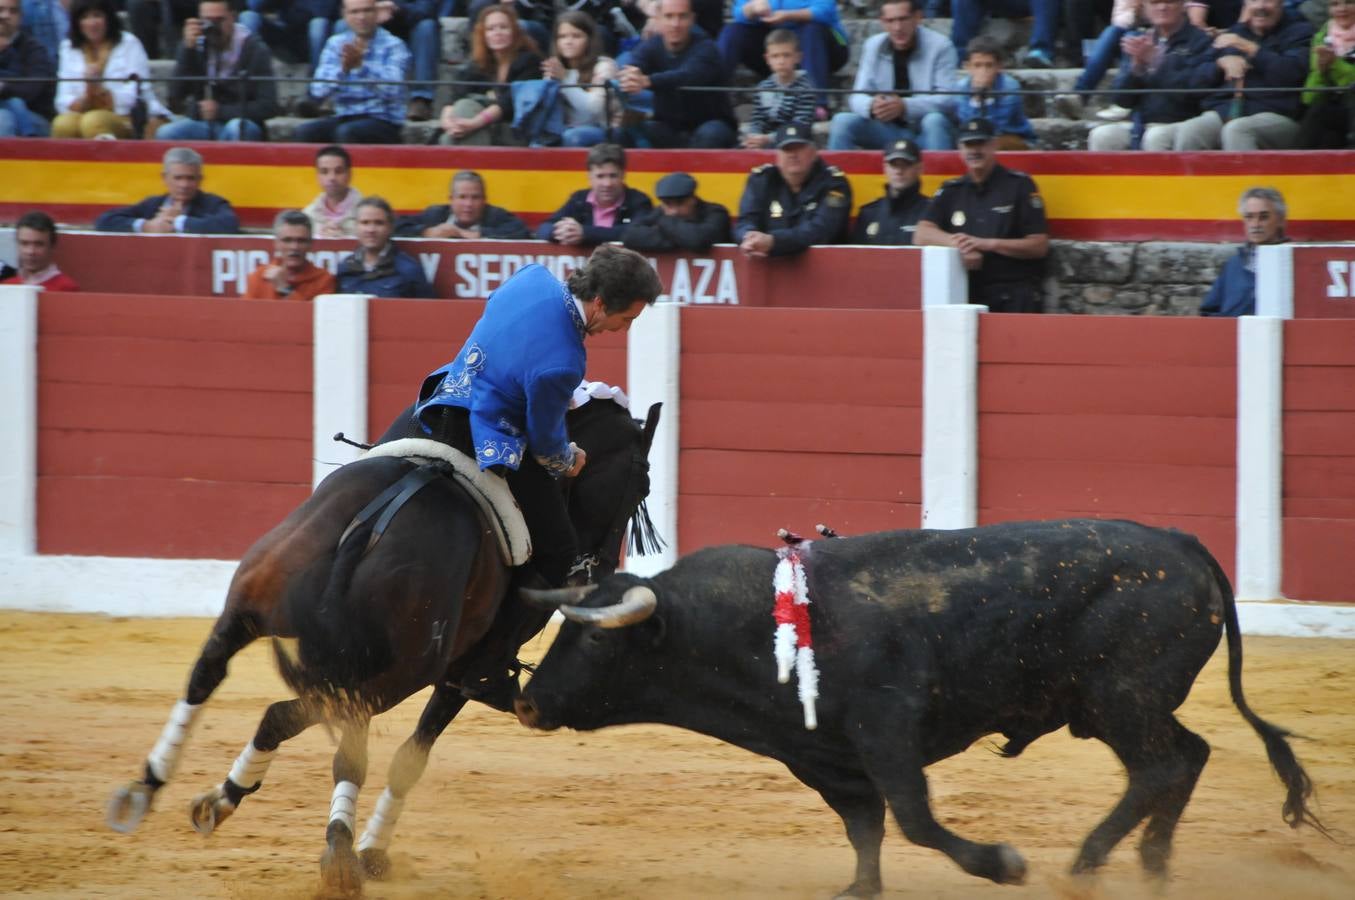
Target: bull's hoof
<point x="376" y="863"/>
<point x="1011" y="865"/>
<point x="207" y="811"/>
<point x="128" y="806"/>
<point x="340" y="872"/>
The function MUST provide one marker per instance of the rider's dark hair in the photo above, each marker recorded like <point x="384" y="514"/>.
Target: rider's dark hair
<point x="617" y="275"/>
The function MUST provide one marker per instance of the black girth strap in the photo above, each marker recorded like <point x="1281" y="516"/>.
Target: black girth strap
<point x="389" y="501"/>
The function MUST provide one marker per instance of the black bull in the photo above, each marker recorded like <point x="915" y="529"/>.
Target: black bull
<point x="925" y="642"/>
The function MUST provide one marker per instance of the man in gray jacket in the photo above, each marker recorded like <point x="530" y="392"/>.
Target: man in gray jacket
<point x="898" y="71"/>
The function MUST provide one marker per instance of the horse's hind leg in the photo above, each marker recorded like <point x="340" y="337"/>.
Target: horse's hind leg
<point x="130" y="803"/>
<point x="406" y="769"/>
<point x="281" y="721"/>
<point x="340" y="869"/>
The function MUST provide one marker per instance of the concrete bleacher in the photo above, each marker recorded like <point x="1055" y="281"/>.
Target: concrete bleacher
<point x="1055" y="132"/>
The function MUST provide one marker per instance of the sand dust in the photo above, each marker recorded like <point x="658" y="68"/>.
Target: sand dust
<point x="637" y="812"/>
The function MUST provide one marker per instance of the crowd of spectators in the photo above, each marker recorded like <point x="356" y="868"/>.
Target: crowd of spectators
<point x="1190" y="75"/>
<point x="993" y="216"/>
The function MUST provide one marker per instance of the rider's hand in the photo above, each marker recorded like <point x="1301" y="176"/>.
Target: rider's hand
<point x="580" y="459"/>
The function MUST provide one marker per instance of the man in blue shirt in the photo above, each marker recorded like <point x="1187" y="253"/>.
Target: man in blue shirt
<point x="1233" y="293"/>
<point x="503" y="399"/>
<point x="364" y="112"/>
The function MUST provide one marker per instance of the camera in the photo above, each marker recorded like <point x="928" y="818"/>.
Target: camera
<point x="209" y="37"/>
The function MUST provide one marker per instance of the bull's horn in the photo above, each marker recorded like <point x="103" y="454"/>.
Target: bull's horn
<point x="637" y="604"/>
<point x="554" y="598"/>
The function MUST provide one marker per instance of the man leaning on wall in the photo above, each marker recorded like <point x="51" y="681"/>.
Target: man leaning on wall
<point x="1233" y="293"/>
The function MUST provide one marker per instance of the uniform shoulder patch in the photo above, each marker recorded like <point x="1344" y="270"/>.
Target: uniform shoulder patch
<point x="834" y="170"/>
<point x="757" y="170"/>
<point x="836" y="199"/>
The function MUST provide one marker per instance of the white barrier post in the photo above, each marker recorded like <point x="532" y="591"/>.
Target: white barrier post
<point x="950" y="379"/>
<point x="339" y="400"/>
<point x="944" y="280"/>
<point x="1275" y="281"/>
<point x="19" y="388"/>
<point x="652" y="369"/>
<point x="1260" y="457"/>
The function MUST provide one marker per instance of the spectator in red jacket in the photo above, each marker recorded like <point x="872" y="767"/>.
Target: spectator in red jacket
<point x="35" y="234"/>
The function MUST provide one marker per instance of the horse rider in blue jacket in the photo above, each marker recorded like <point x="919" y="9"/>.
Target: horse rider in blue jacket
<point x="504" y="397"/>
<point x="503" y="401"/>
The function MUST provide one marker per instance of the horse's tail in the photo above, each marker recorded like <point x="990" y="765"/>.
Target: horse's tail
<point x="341" y="645"/>
<point x="1298" y="786"/>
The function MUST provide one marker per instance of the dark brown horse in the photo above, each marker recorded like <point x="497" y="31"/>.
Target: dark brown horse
<point x="383" y="606"/>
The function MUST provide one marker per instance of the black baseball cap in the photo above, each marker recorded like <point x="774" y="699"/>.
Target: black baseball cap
<point x="977" y="130"/>
<point x="675" y="186"/>
<point x="794" y="133"/>
<point x="902" y="149"/>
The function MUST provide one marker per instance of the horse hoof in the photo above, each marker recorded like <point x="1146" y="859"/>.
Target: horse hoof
<point x="376" y="863"/>
<point x="340" y="872"/>
<point x="208" y="811"/>
<point x="128" y="806"/>
<point x="1013" y="865"/>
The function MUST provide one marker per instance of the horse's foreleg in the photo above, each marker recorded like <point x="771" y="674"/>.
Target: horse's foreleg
<point x="281" y="721"/>
<point x="340" y="870"/>
<point x="130" y="803"/>
<point x="406" y="768"/>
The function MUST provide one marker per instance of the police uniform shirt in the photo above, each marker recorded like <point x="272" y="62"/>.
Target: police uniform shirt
<point x="1006" y="205"/>
<point x="816" y="215"/>
<point x="891" y="220"/>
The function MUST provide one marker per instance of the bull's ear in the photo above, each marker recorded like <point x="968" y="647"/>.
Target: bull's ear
<point x="651" y="425"/>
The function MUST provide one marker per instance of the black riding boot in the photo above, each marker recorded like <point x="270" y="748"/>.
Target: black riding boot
<point x="492" y="678"/>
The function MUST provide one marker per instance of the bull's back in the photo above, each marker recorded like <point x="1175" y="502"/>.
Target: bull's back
<point x="1007" y="619"/>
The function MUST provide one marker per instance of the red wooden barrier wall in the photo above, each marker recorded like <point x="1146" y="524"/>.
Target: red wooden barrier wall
<point x="1319" y="458"/>
<point x="1110" y="417"/>
<point x="169" y="427"/>
<point x="407" y="339"/>
<point x="795" y="417"/>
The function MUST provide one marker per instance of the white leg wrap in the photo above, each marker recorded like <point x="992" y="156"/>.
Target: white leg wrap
<point x="381" y="824"/>
<point x="343" y="806"/>
<point x="251" y="766"/>
<point x="164" y="758"/>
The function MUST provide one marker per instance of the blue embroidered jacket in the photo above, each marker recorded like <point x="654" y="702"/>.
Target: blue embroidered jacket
<point x="517" y="372"/>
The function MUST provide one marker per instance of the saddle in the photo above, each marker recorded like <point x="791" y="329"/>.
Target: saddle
<point x="490" y="492"/>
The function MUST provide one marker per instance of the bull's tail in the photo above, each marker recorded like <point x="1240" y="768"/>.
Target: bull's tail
<point x="1298" y="786"/>
<point x="341" y="644"/>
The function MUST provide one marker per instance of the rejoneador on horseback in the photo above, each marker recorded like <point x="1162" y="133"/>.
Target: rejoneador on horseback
<point x="395" y="573"/>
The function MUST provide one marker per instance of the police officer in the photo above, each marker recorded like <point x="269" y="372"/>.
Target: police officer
<point x="892" y="218"/>
<point x="796" y="202"/>
<point x="995" y="218"/>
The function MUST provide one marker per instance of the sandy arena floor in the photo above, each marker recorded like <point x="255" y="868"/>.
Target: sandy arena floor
<point x="641" y="812"/>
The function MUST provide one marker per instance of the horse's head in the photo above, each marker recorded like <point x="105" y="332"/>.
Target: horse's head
<point x="610" y="491"/>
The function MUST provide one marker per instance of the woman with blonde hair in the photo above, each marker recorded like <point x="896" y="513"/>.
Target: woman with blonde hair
<point x="501" y="52"/>
<point x="102" y="73"/>
<point x="577" y="61"/>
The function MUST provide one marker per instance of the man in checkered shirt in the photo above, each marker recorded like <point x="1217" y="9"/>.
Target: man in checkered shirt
<point x="364" y="112"/>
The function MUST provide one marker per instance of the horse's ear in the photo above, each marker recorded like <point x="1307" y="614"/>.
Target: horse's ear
<point x="651" y="425"/>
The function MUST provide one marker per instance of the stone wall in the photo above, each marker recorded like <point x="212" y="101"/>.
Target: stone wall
<point x="1166" y="278"/>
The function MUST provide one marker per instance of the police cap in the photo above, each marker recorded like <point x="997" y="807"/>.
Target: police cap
<point x="977" y="130"/>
